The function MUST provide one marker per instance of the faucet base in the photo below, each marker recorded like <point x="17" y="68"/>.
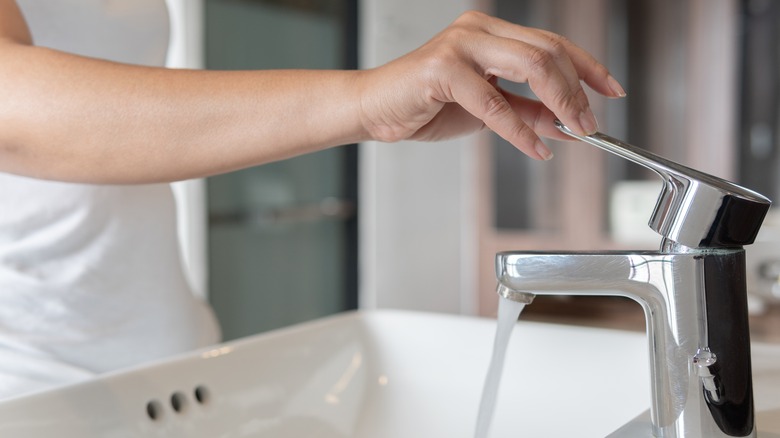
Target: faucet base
<point x="642" y="427"/>
<point x="639" y="427"/>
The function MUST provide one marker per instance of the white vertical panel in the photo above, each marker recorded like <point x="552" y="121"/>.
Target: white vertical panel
<point x="187" y="39"/>
<point x="416" y="213"/>
<point x="187" y="51"/>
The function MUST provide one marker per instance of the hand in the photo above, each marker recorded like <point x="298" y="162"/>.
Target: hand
<point x="448" y="87"/>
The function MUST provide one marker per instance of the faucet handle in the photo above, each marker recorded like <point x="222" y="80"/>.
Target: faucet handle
<point x="694" y="209"/>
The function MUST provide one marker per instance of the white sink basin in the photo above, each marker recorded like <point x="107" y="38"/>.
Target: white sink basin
<point x="373" y="375"/>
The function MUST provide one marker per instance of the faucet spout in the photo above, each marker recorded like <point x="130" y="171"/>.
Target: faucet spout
<point x="696" y="317"/>
<point x="693" y="293"/>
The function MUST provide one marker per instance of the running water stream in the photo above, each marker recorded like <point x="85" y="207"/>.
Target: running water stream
<point x="508" y="312"/>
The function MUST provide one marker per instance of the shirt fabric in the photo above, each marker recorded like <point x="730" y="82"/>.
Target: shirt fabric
<point x="90" y="275"/>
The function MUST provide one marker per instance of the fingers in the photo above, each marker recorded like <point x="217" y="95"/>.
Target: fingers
<point x="552" y="65"/>
<point x="519" y="61"/>
<point x="557" y="46"/>
<point x="594" y="73"/>
<point x="536" y="115"/>
<point x="578" y="63"/>
<point x="586" y="67"/>
<point x="485" y="102"/>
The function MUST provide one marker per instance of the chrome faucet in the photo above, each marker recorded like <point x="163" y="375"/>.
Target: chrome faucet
<point x="692" y="291"/>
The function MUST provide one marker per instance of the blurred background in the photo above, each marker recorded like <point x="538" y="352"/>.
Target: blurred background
<point x="415" y="225"/>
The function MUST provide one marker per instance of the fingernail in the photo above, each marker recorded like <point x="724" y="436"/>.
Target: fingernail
<point x="543" y="151"/>
<point x="588" y="122"/>
<point x="614" y="85"/>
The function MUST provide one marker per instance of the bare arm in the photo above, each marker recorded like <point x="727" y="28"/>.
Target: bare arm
<point x="72" y="118"/>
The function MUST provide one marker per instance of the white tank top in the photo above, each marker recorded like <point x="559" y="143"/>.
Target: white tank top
<point x="90" y="276"/>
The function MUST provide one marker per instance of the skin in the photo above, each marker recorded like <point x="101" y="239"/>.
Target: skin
<point x="118" y="124"/>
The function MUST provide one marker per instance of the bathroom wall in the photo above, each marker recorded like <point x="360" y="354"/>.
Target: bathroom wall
<point x="417" y="206"/>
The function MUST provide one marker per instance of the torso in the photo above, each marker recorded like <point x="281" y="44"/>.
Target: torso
<point x="90" y="276"/>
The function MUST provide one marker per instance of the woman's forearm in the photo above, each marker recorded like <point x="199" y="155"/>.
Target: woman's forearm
<point x="72" y="118"/>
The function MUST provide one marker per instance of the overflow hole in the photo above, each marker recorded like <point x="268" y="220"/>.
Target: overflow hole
<point x="178" y="402"/>
<point x="202" y="394"/>
<point x="154" y="410"/>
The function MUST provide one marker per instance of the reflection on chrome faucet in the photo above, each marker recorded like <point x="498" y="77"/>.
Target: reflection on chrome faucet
<point x="671" y="289"/>
<point x="703" y="360"/>
<point x="692" y="291"/>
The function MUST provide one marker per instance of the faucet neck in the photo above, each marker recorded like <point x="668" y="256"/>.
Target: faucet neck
<point x="695" y="305"/>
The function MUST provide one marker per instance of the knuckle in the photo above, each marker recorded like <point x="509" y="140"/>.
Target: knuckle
<point x="456" y="34"/>
<point x="567" y="102"/>
<point x="470" y="17"/>
<point x="496" y="106"/>
<point x="556" y="97"/>
<point x="565" y="42"/>
<point x="522" y="133"/>
<point x="552" y="36"/>
<point x="539" y="60"/>
<point x="537" y="118"/>
<point x="440" y="62"/>
<point x="581" y="97"/>
<point x="557" y="48"/>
